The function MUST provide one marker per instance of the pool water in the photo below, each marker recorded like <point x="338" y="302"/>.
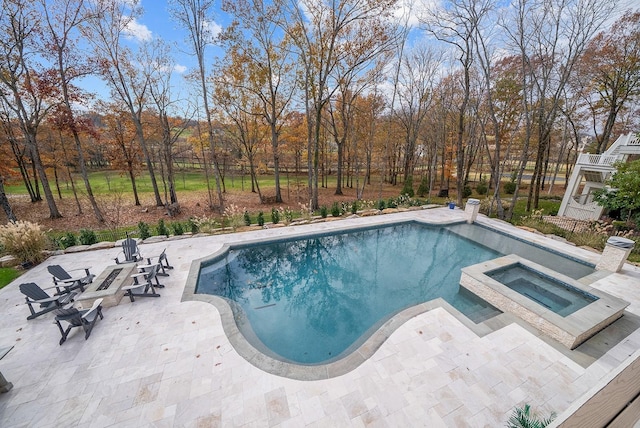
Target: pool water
<point x="313" y="300"/>
<point x="554" y="295"/>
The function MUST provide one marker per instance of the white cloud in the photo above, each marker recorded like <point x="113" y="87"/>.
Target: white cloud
<point x="137" y="31"/>
<point x="212" y="28"/>
<point x="180" y="69"/>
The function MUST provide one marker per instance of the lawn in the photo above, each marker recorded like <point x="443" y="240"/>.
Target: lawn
<point x="106" y="182"/>
<point x="7" y="275"/>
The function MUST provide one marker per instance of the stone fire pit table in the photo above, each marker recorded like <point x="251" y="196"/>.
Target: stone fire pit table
<point x="107" y="286"/>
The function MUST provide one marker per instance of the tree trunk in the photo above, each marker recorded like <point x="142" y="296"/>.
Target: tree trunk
<point x="53" y="208"/>
<point x="276" y="161"/>
<point x="132" y="178"/>
<point x="4" y="201"/>
<point x="340" y="145"/>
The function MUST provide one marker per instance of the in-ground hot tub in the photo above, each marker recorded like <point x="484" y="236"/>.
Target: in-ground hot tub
<point x="555" y="304"/>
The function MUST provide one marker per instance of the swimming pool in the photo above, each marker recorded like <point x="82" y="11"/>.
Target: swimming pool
<point x="312" y="301"/>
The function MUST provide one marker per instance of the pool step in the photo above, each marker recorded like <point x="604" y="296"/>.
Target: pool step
<point x="481" y="313"/>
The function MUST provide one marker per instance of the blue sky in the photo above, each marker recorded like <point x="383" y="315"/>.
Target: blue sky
<point x="156" y="22"/>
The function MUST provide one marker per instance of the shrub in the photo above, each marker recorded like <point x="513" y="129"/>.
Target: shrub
<point x="354" y="207"/>
<point x="144" y="230"/>
<point x="466" y="191"/>
<point x="193" y="226"/>
<point x="234" y="216"/>
<point x="589" y="239"/>
<point x="524" y="418"/>
<point x="287" y="216"/>
<point x="324" y="211"/>
<point x="247" y="218"/>
<point x="162" y="229"/>
<point x="67" y="240"/>
<point x="381" y="204"/>
<point x="205" y="224"/>
<point x="510" y="186"/>
<point x="423" y="188"/>
<point x="87" y="237"/>
<point x="407" y="188"/>
<point x="23" y="240"/>
<point x="275" y="216"/>
<point x="305" y="211"/>
<point x="178" y="228"/>
<point x="392" y="203"/>
<point x="486" y="203"/>
<point x="335" y="210"/>
<point x="260" y="219"/>
<point x="482" y="188"/>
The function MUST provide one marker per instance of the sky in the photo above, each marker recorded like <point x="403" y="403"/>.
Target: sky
<point x="156" y="22"/>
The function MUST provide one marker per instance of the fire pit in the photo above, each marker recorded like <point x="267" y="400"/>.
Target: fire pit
<point x="107" y="286"/>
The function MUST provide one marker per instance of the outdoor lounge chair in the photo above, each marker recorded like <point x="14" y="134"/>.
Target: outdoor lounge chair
<point x="77" y="318"/>
<point x="161" y="260"/>
<point x="62" y="279"/>
<point x="145" y="288"/>
<point x="130" y="251"/>
<point x="37" y="296"/>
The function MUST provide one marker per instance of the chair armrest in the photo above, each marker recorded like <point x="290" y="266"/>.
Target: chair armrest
<point x="95" y="307"/>
<point x="148" y="266"/>
<point x="47" y="300"/>
<point x="86" y="270"/>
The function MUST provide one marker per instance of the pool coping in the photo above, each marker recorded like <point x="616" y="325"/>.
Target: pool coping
<point x="342" y="364"/>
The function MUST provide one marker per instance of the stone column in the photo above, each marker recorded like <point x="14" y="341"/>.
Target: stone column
<point x="471" y="210"/>
<point x="615" y="253"/>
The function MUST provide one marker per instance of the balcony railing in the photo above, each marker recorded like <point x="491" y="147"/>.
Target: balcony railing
<point x="603" y="160"/>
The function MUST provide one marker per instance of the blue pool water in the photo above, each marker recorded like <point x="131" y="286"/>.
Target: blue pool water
<point x="309" y="301"/>
<point x="551" y="293"/>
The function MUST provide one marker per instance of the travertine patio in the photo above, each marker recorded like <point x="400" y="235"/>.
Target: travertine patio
<point x="164" y="362"/>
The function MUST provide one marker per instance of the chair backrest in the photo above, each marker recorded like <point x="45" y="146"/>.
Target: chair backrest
<point x="33" y="291"/>
<point x="129" y="248"/>
<point x="58" y="272"/>
<point x="150" y="276"/>
<point x="71" y="315"/>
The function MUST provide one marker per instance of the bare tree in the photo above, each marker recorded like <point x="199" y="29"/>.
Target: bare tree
<point x="62" y="19"/>
<point x="415" y="94"/>
<point x="609" y="73"/>
<point x="258" y="45"/>
<point x="25" y="91"/>
<point x="193" y="15"/>
<point x="549" y="36"/>
<point x="246" y="128"/>
<point x="456" y="23"/>
<point x="326" y="34"/>
<point x="161" y="66"/>
<point x="107" y="24"/>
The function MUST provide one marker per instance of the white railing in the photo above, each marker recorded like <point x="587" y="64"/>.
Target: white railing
<point x="589" y="211"/>
<point x="589" y="159"/>
<point x="633" y="142"/>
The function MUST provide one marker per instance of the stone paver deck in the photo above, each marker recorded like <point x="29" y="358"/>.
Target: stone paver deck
<point x="162" y="362"/>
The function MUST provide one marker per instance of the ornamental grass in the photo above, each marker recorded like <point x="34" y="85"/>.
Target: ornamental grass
<point x="24" y="240"/>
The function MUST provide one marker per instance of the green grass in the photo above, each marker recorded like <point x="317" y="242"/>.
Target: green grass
<point x="7" y="275"/>
<point x="106" y="182"/>
<point x="548" y="207"/>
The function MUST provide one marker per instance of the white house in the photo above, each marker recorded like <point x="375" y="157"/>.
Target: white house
<point x="590" y="173"/>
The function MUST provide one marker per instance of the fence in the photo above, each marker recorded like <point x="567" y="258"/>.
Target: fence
<point x="571" y="224"/>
